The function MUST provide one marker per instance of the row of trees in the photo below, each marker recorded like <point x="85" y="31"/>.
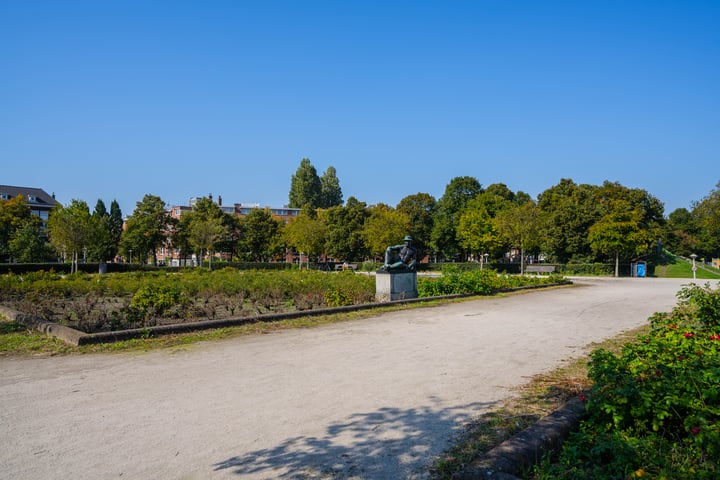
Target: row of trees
<point x="567" y="223"/>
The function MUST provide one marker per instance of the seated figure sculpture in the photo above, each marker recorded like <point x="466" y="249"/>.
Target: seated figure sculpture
<point x="400" y="258"/>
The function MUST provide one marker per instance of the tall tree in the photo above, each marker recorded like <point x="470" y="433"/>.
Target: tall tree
<point x="116" y="223"/>
<point x="420" y="210"/>
<point x="306" y="234"/>
<point x="519" y="225"/>
<point x="457" y="194"/>
<point x="146" y="229"/>
<point x="344" y="240"/>
<point x="205" y="229"/>
<point x="305" y="187"/>
<point x="330" y="191"/>
<point x="620" y="232"/>
<point x="477" y="232"/>
<point x="567" y="212"/>
<point x="103" y="246"/>
<point x="259" y="235"/>
<point x="385" y="227"/>
<point x="681" y="233"/>
<point x="14" y="213"/>
<point x="71" y="230"/>
<point x="205" y="234"/>
<point x="28" y="243"/>
<point x="707" y="213"/>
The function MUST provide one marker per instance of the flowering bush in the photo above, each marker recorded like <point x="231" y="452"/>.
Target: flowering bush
<point x="655" y="407"/>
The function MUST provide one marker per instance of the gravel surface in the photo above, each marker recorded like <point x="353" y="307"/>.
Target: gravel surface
<point x="375" y="398"/>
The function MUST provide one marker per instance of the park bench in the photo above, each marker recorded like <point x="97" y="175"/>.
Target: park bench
<point x="346" y="266"/>
<point x="536" y="268"/>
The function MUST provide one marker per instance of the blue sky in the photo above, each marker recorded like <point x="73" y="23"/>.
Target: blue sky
<point x="117" y="99"/>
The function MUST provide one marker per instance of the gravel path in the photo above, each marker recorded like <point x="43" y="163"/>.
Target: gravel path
<point x="376" y="398"/>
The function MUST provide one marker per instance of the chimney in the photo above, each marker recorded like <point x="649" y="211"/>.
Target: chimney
<point x="220" y="200"/>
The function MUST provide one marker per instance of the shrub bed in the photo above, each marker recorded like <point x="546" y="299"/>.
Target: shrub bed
<point x="455" y="281"/>
<point x="654" y="408"/>
<point x="96" y="303"/>
<point x="110" y="302"/>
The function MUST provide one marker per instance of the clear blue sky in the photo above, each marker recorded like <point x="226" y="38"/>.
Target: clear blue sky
<point x="116" y="99"/>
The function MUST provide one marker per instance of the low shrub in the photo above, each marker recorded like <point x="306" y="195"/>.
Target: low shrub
<point x="481" y="282"/>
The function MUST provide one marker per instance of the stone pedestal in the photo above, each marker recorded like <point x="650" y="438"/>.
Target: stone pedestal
<point x="391" y="286"/>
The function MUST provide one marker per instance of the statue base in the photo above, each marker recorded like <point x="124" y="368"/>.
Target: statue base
<point x="391" y="286"/>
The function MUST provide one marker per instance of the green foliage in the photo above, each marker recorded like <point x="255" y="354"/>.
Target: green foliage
<point x="481" y="282"/>
<point x="146" y="229"/>
<point x="420" y="211"/>
<point x="385" y="226"/>
<point x="260" y="232"/>
<point x="654" y="408"/>
<point x="305" y="187"/>
<point x="156" y="299"/>
<point x="457" y="194"/>
<point x="344" y="226"/>
<point x="330" y="191"/>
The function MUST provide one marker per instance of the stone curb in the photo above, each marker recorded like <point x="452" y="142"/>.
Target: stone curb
<point x="77" y="338"/>
<point x="528" y="447"/>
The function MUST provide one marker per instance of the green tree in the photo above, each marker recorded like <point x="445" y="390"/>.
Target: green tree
<point x="620" y="232"/>
<point x="205" y="234"/>
<point x="146" y="229"/>
<point x="116" y="224"/>
<point x="384" y="227"/>
<point x="477" y="232"/>
<point x="14" y="213"/>
<point x="306" y="234"/>
<point x="71" y="230"/>
<point x="206" y="229"/>
<point x="103" y="245"/>
<point x="28" y="243"/>
<point x="707" y="213"/>
<point x="567" y="212"/>
<point x="420" y="211"/>
<point x="259" y="238"/>
<point x="681" y="233"/>
<point x="457" y="194"/>
<point x="305" y="187"/>
<point x="330" y="191"/>
<point x="344" y="239"/>
<point x="519" y="225"/>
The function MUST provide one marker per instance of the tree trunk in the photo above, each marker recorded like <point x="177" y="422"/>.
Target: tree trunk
<point x="522" y="260"/>
<point x="617" y="264"/>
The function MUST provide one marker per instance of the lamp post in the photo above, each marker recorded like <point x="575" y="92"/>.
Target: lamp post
<point x="694" y="268"/>
<point x="131" y="255"/>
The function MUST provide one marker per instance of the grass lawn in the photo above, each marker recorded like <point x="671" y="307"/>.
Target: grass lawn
<point x="676" y="267"/>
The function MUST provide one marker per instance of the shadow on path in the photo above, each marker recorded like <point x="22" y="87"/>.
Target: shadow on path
<point x="388" y="443"/>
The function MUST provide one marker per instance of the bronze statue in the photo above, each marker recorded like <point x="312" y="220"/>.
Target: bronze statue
<point x="400" y="258"/>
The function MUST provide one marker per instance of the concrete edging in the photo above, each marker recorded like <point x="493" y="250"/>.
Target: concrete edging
<point x="528" y="447"/>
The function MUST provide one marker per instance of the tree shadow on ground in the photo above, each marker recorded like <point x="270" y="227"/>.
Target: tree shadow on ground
<point x="388" y="443"/>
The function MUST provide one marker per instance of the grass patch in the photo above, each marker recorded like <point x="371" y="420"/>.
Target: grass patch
<point x="671" y="266"/>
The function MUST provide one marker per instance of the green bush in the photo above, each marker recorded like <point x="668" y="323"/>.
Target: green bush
<point x="156" y="299"/>
<point x="657" y="403"/>
<point x="455" y="280"/>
